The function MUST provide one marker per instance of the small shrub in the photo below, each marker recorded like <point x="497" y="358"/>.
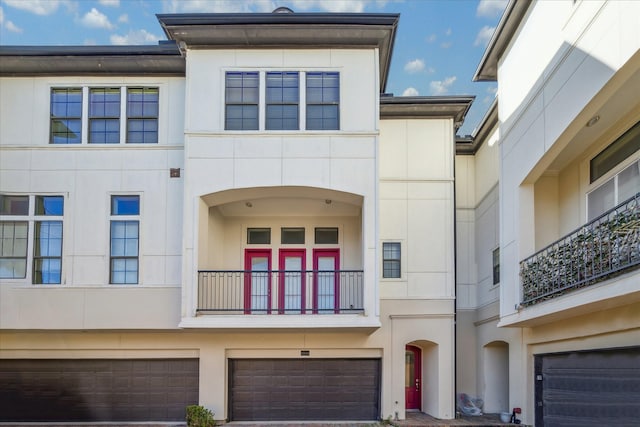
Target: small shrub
<point x="199" y="416"/>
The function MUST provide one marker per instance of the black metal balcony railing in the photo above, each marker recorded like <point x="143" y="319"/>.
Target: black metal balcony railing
<point x="607" y="246"/>
<point x="280" y="292"/>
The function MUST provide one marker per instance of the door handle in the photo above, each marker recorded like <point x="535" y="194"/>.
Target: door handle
<point x="417" y="384"/>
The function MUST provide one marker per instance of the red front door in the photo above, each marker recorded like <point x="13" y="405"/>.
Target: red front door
<point x="292" y="283"/>
<point x="413" y="377"/>
<point x="257" y="281"/>
<point x="326" y="281"/>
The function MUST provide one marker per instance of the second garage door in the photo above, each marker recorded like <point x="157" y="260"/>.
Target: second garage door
<point x="304" y="389"/>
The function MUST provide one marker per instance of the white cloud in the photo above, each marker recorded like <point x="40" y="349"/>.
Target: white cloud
<point x="484" y="35"/>
<point x="39" y="7"/>
<point x="96" y="19"/>
<point x="491" y="8"/>
<point x="414" y="66"/>
<point x="410" y="91"/>
<point x="134" y="37"/>
<point x="440" y="87"/>
<point x="110" y="3"/>
<point x="218" y="6"/>
<point x="355" y="6"/>
<point x="448" y="32"/>
<point x="446" y="45"/>
<point x="10" y="26"/>
<point x="431" y="38"/>
<point x="123" y="19"/>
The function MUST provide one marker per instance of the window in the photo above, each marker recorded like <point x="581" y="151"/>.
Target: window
<point x="104" y="116"/>
<point x="103" y="120"/>
<point x="44" y="222"/>
<point x="326" y="235"/>
<point x="391" y="260"/>
<point x="259" y="236"/>
<point x="66" y="116"/>
<point x="292" y="236"/>
<point x="124" y="239"/>
<point x="496" y="266"/>
<point x="615" y="190"/>
<point x="142" y="115"/>
<point x="323" y="100"/>
<point x="282" y="101"/>
<point x="241" y="100"/>
<point x="615" y="153"/>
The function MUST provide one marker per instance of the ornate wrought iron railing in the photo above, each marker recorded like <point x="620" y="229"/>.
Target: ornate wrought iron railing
<point x="280" y="292"/>
<point x="607" y="246"/>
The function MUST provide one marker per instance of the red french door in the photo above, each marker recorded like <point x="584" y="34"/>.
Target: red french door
<point x="326" y="281"/>
<point x="413" y="377"/>
<point x="257" y="281"/>
<point x="291" y="283"/>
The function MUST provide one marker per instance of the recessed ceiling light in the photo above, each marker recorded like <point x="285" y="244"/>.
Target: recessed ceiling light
<point x="592" y="121"/>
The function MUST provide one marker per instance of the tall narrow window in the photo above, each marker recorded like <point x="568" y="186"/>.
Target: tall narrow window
<point x="104" y="116"/>
<point x="496" y="266"/>
<point x="124" y="239"/>
<point x="391" y="260"/>
<point x="66" y="116"/>
<point x="241" y="100"/>
<point x="47" y="240"/>
<point x="282" y="101"/>
<point x="142" y="115"/>
<point x="323" y="101"/>
<point x="13" y="249"/>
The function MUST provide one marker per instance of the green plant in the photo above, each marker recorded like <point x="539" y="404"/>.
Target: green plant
<point x="199" y="416"/>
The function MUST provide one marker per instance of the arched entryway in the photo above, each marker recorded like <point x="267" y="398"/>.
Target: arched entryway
<point x="496" y="377"/>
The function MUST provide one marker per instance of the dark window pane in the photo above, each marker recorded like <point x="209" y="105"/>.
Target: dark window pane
<point x="241" y="117"/>
<point x="326" y="235"/>
<point x="391" y="260"/>
<point x="496" y="266"/>
<point x="13" y="249"/>
<point x="323" y="99"/>
<point x="125" y="205"/>
<point x="14" y="205"/>
<point x="615" y="153"/>
<point x="259" y="236"/>
<point x="66" y="116"/>
<point x="292" y="236"/>
<point x="241" y="99"/>
<point x="49" y="205"/>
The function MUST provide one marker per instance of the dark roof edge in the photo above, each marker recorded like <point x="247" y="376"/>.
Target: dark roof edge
<point x="507" y="27"/>
<point x="173" y="19"/>
<point x="469" y="145"/>
<point x="411" y="107"/>
<point x="168" y="47"/>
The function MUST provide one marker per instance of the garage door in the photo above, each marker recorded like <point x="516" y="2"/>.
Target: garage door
<point x="97" y="390"/>
<point x="593" y="388"/>
<point x="304" y="389"/>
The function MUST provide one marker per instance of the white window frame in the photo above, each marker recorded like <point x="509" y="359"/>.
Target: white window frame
<point x="115" y="218"/>
<point x="605" y="179"/>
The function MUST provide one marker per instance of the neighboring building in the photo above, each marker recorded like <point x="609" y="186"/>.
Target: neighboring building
<point x="235" y="218"/>
<point x="558" y="157"/>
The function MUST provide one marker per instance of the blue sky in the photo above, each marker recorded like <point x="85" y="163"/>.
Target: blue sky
<point x="438" y="45"/>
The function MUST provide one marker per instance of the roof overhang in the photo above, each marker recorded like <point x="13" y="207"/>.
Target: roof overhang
<point x="285" y="30"/>
<point x="412" y="107"/>
<point x="162" y="59"/>
<point x="471" y="144"/>
<point x="512" y="16"/>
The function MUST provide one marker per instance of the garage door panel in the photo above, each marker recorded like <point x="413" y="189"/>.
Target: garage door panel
<point x="97" y="389"/>
<point x="599" y="387"/>
<point x="304" y="389"/>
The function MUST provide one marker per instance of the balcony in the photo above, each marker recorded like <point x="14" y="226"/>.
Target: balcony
<point x="601" y="249"/>
<point x="280" y="292"/>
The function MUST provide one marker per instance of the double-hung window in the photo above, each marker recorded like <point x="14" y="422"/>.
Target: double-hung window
<point x="391" y="260"/>
<point x="104" y="115"/>
<point x="109" y="115"/>
<point x="241" y="100"/>
<point x="282" y="101"/>
<point x="125" y="238"/>
<point x="37" y="216"/>
<point x="323" y="101"/>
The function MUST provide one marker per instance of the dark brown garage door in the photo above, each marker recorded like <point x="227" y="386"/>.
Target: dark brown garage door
<point x="97" y="390"/>
<point x="590" y="388"/>
<point x="304" y="389"/>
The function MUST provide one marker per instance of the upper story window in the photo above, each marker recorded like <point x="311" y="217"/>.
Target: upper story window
<point x="124" y="240"/>
<point x="616" y="179"/>
<point x="241" y="100"/>
<point x="323" y="101"/>
<point x="282" y="101"/>
<point x="22" y="216"/>
<point x="391" y="260"/>
<point x="284" y="92"/>
<point x="66" y="116"/>
<point x="98" y="111"/>
<point x="496" y="266"/>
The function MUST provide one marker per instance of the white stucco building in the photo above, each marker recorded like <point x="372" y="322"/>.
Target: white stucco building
<point x="234" y="218"/>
